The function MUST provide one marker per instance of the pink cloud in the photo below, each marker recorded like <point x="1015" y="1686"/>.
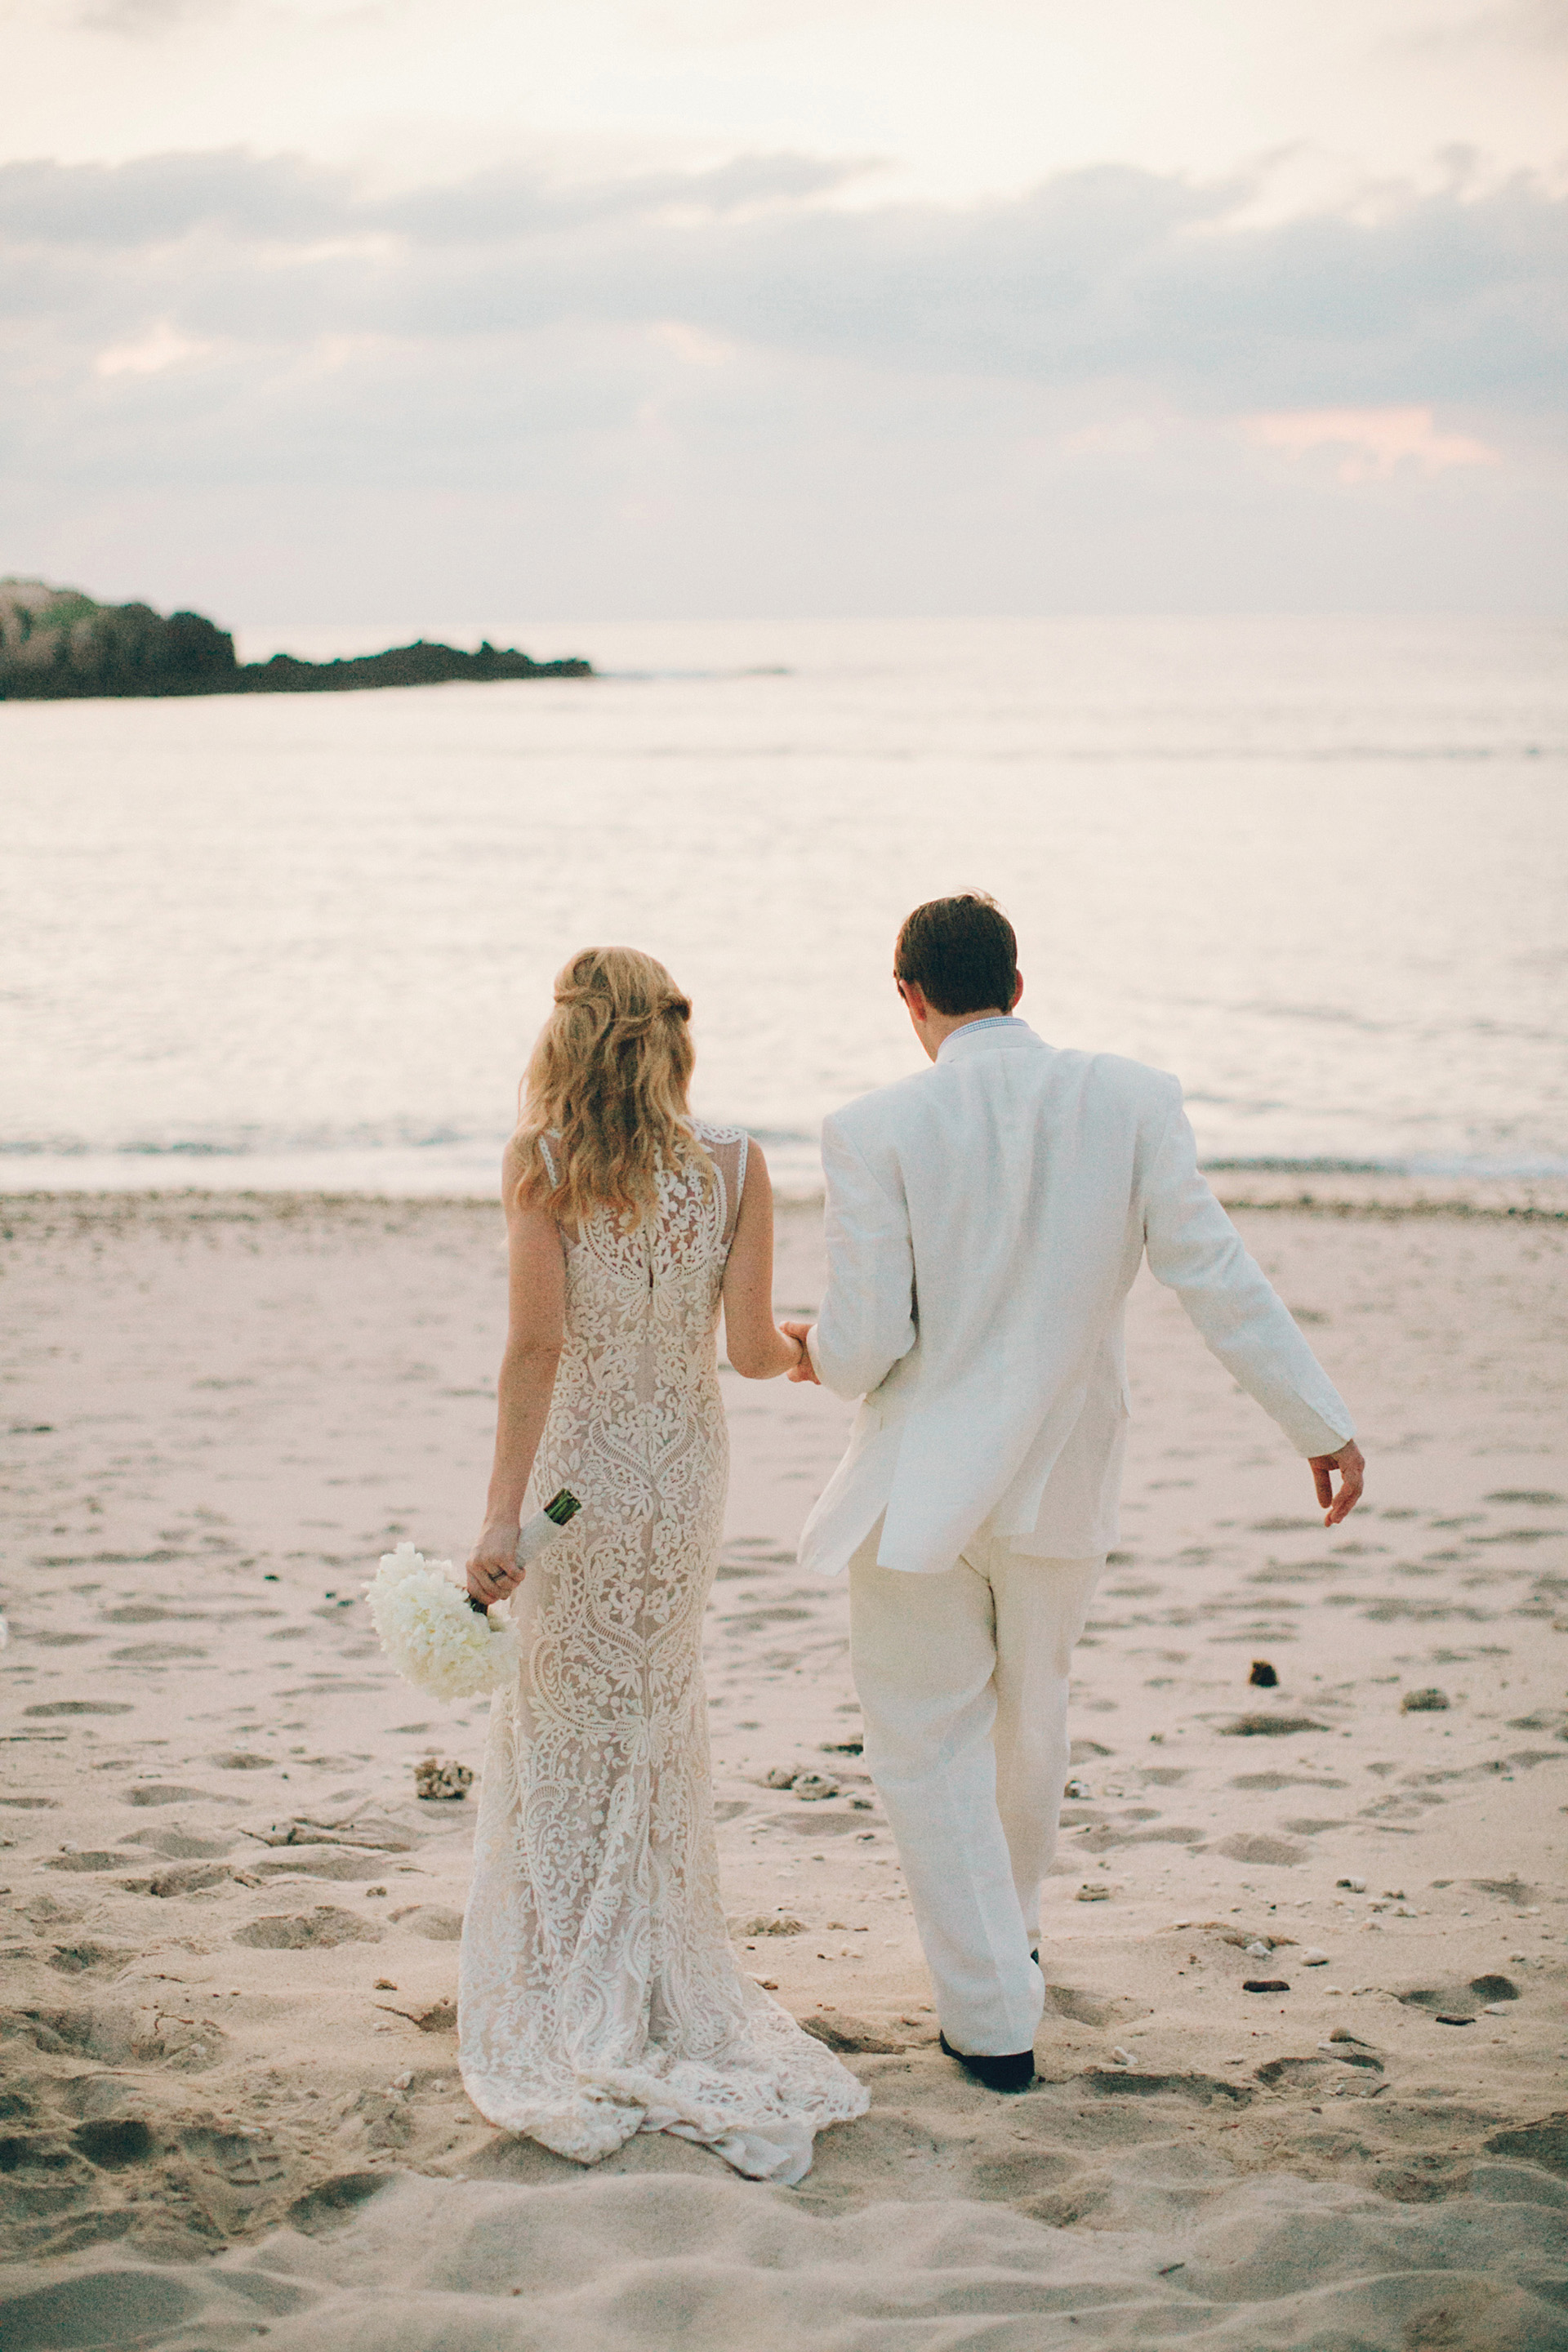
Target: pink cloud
<point x="1374" y="440"/>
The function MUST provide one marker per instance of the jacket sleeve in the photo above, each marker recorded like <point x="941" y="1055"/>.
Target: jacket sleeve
<point x="868" y="1318"/>
<point x="1196" y="1250"/>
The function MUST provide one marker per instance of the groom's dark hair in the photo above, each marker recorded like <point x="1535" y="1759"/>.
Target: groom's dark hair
<point x="961" y="954"/>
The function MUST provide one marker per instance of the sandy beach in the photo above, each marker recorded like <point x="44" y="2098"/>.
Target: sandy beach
<point x="1302" y="2072"/>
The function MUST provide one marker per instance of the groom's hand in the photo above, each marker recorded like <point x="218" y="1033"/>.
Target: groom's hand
<point x="804" y="1369"/>
<point x="1352" y="1468"/>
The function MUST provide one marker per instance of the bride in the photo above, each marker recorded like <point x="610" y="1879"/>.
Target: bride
<point x="598" y="1993"/>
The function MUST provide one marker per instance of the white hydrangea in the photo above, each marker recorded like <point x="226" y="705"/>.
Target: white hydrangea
<point x="428" y="1630"/>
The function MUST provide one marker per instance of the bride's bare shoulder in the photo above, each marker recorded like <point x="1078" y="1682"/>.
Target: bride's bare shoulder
<point x="520" y="1169"/>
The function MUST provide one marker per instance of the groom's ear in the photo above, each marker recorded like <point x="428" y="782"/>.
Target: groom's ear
<point x="1017" y="992"/>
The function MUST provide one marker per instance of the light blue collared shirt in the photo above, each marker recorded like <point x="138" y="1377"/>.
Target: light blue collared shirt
<point x="974" y="1029"/>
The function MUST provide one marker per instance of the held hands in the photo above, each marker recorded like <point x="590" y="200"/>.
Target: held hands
<point x="803" y="1368"/>
<point x="1351" y="1467"/>
<point x="493" y="1571"/>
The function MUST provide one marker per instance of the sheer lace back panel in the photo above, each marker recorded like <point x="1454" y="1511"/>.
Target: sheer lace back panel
<point x="599" y="1992"/>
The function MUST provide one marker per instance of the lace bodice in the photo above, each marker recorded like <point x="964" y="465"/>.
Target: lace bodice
<point x="599" y="1992"/>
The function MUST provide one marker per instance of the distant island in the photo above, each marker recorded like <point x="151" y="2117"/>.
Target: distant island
<point x="57" y="644"/>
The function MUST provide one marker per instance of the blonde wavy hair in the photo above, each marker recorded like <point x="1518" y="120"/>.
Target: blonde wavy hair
<point x="608" y="1076"/>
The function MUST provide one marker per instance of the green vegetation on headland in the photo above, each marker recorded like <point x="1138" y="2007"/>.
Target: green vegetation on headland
<point x="57" y="644"/>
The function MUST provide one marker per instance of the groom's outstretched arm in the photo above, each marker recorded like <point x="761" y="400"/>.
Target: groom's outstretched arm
<point x="867" y="1317"/>
<point x="1193" y="1247"/>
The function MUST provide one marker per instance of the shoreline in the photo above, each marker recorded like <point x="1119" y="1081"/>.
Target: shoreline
<point x="1524" y="1200"/>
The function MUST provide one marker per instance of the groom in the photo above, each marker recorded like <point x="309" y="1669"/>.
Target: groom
<point x="986" y="1220"/>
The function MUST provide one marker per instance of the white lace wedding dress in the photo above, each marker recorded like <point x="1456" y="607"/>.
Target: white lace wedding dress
<point x="599" y="1995"/>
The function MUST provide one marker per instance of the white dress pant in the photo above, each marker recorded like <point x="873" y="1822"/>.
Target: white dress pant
<point x="962" y="1683"/>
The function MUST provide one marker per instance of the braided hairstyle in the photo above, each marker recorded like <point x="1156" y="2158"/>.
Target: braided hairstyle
<point x="608" y="1077"/>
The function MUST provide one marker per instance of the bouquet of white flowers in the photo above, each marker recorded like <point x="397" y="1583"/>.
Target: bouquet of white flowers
<point x="436" y="1635"/>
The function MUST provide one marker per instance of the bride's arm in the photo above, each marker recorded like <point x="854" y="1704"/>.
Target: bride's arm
<point x="535" y="1331"/>
<point x="753" y="1341"/>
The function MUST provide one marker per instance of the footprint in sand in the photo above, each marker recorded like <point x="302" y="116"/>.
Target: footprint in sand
<point x="177" y="1845"/>
<point x="1271" y="1782"/>
<point x="156" y="1653"/>
<point x="76" y="1960"/>
<point x="1455" y="2003"/>
<point x="1269" y="1726"/>
<point x="58" y="1706"/>
<point x="1279" y="1853"/>
<point x="312" y="1863"/>
<point x="149" y="1612"/>
<point x="433" y="1921"/>
<point x="188" y="1878"/>
<point x="1325" y="2071"/>
<point x="323" y="1928"/>
<point x="1205" y="2090"/>
<point x="164" y="1792"/>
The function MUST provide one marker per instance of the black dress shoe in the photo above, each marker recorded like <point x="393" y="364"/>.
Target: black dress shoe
<point x="1013" y="2070"/>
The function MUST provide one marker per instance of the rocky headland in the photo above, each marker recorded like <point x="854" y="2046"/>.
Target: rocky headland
<point x="58" y="644"/>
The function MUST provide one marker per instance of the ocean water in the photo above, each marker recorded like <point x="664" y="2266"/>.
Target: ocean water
<point x="1319" y="868"/>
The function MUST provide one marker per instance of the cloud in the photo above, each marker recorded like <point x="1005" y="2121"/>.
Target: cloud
<point x="155" y="201"/>
<point x="141" y="19"/>
<point x="1524" y="25"/>
<point x="1376" y="439"/>
<point x="759" y="362"/>
<point x="163" y="346"/>
<point x="1105" y="275"/>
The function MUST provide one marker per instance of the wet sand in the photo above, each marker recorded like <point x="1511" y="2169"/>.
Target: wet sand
<point x="229" y="1924"/>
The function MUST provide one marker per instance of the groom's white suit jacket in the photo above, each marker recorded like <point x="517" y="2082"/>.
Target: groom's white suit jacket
<point x="986" y="1220"/>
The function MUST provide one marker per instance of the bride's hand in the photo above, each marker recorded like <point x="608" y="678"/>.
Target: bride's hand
<point x="803" y="1369"/>
<point x="493" y="1571"/>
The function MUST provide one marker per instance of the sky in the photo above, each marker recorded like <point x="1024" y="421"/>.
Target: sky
<point x="328" y="311"/>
